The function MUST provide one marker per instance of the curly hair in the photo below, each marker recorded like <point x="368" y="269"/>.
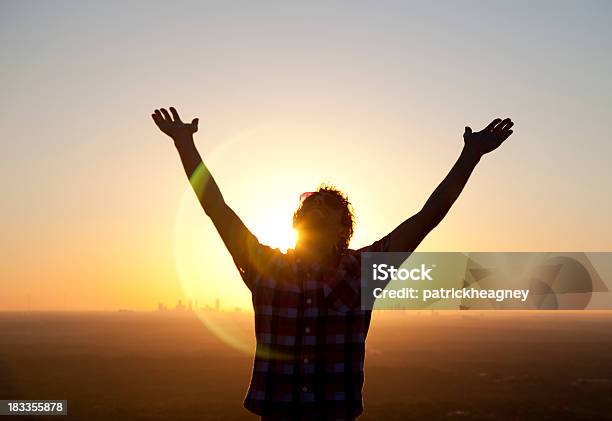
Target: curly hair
<point x="347" y="217"/>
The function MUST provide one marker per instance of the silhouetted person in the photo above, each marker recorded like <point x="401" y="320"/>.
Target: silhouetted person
<point x="309" y="324"/>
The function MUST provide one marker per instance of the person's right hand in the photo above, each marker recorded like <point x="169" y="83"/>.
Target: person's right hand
<point x="176" y="129"/>
<point x="489" y="138"/>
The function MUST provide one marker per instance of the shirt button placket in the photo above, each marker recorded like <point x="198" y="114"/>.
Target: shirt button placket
<point x="307" y="331"/>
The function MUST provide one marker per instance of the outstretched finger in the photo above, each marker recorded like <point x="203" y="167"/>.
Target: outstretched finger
<point x="194" y="124"/>
<point x="492" y="125"/>
<point x="166" y="115"/>
<point x="157" y="117"/>
<point x="507" y="134"/>
<point x="175" y="115"/>
<point x="507" y="125"/>
<point x="500" y="126"/>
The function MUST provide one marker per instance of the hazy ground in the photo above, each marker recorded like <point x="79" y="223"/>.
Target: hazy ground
<point x="419" y="366"/>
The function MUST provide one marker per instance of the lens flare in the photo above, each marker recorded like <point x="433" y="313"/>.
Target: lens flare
<point x="204" y="267"/>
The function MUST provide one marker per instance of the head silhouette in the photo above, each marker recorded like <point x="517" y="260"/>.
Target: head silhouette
<point x="324" y="221"/>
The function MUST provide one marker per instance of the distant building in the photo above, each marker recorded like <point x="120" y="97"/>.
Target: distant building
<point x="179" y="306"/>
<point x="161" y="307"/>
<point x="217" y="305"/>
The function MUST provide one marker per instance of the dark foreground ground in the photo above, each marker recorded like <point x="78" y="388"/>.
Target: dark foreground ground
<point x="449" y="365"/>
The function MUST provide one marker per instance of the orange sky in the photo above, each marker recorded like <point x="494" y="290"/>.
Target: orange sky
<point x="97" y="213"/>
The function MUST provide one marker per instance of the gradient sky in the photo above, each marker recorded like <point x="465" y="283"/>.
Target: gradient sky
<point x="371" y="96"/>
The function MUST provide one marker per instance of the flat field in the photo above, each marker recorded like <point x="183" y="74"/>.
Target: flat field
<point x="419" y="365"/>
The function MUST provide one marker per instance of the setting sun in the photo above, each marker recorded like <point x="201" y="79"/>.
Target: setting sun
<point x="277" y="235"/>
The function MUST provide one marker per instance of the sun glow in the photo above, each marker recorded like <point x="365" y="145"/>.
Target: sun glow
<point x="277" y="235"/>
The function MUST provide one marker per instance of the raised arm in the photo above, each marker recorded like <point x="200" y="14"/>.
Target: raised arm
<point x="408" y="235"/>
<point x="236" y="236"/>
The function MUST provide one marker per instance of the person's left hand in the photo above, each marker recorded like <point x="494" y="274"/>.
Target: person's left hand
<point x="489" y="138"/>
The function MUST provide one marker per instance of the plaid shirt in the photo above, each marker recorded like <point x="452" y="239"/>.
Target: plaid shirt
<point x="310" y="332"/>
